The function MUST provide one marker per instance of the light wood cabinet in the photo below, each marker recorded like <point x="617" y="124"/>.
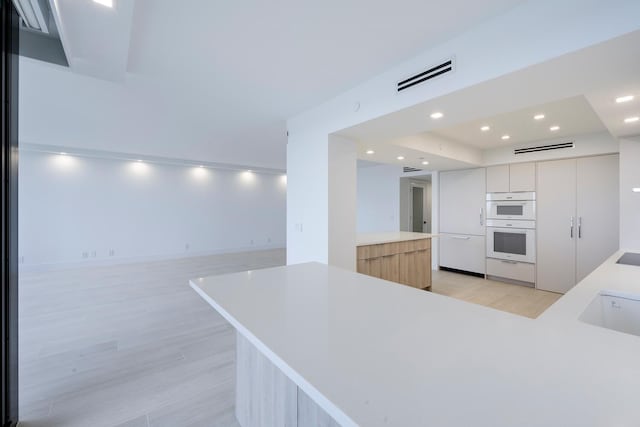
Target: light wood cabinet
<point x="511" y="178"/>
<point x="577" y="219"/>
<point x="407" y="262"/>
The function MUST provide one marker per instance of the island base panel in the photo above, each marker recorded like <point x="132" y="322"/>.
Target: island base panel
<point x="266" y="397"/>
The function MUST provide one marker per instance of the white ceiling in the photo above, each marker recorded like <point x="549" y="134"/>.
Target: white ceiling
<point x="574" y="116"/>
<point x="215" y="80"/>
<point x="576" y="91"/>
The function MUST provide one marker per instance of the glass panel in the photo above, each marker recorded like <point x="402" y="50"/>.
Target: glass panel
<point x="510" y="243"/>
<point x="510" y="209"/>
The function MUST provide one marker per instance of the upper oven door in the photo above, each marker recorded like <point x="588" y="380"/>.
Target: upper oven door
<point x="521" y="209"/>
<point x="511" y="244"/>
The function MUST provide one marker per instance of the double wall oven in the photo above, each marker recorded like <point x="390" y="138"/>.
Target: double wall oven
<point x="511" y="226"/>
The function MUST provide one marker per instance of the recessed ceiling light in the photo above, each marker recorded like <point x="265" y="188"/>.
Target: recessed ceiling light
<point x="554" y="128"/>
<point x="631" y="119"/>
<point x="538" y="117"/>
<point x="505" y="137"/>
<point x="425" y="163"/>
<point x="370" y="152"/>
<point x="625" y="98"/>
<point x="437" y="115"/>
<point x="636" y="189"/>
<point x="63" y="154"/>
<point x="400" y="157"/>
<point x="108" y="3"/>
<point x="485" y="128"/>
<point x="201" y="166"/>
<point x="249" y="171"/>
<point x="139" y="161"/>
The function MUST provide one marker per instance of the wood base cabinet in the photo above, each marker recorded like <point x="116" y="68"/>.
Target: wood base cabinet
<point x="408" y="262"/>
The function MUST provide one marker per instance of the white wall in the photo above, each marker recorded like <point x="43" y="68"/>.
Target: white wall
<point x="629" y="201"/>
<point x="482" y="53"/>
<point x="379" y="198"/>
<point x="73" y="205"/>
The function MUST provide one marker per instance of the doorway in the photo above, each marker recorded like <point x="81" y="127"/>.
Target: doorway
<point x="416" y="208"/>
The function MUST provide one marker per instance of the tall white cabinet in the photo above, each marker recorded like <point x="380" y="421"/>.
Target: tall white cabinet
<point x="462" y="219"/>
<point x="577" y="219"/>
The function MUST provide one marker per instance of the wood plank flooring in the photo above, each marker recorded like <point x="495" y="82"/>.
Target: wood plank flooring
<point x="128" y="346"/>
<point x="134" y="346"/>
<point x="516" y="299"/>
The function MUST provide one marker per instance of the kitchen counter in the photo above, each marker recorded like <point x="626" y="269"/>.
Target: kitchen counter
<point x="371" y="353"/>
<point x="365" y="239"/>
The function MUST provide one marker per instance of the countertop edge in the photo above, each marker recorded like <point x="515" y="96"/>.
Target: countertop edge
<point x="336" y="413"/>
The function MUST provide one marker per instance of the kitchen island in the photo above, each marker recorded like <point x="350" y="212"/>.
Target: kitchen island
<point x="401" y="257"/>
<point x="318" y="345"/>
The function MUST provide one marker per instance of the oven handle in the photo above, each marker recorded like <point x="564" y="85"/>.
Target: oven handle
<point x="461" y="237"/>
<point x="509" y="261"/>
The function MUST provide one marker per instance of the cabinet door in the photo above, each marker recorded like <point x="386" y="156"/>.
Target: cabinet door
<point x="598" y="199"/>
<point x="462" y="201"/>
<point x="556" y="239"/>
<point x="462" y="252"/>
<point x="390" y="268"/>
<point x="522" y="177"/>
<point x="498" y="179"/>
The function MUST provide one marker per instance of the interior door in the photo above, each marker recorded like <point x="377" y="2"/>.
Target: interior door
<point x="598" y="199"/>
<point x="556" y="225"/>
<point x="417" y="209"/>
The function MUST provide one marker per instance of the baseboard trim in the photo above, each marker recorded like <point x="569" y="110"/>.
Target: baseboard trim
<point x="107" y="262"/>
<point x="467" y="273"/>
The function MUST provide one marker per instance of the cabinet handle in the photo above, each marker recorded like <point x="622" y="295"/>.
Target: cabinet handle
<point x="571" y="227"/>
<point x="509" y="262"/>
<point x="481" y="215"/>
<point x="579" y="227"/>
<point x="461" y="237"/>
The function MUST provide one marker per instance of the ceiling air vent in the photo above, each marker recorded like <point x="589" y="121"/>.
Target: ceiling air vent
<point x="408" y="169"/>
<point x="543" y="148"/>
<point x="429" y="74"/>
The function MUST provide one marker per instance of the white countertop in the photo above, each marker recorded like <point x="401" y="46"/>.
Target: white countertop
<point x="372" y="353"/>
<point x="364" y="239"/>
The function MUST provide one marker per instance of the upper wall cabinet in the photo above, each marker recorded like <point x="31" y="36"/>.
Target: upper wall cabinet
<point x="511" y="178"/>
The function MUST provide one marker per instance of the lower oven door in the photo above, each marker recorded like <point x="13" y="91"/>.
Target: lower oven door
<point x="512" y="244"/>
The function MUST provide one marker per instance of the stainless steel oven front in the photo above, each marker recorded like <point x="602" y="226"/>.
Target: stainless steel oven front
<point x="519" y="206"/>
<point x="511" y="240"/>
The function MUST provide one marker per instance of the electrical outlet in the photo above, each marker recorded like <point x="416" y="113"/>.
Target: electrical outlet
<point x="85" y="255"/>
<point x="186" y="247"/>
<point x="112" y="252"/>
<point x="299" y="227"/>
<point x="252" y="241"/>
<point x="22" y="259"/>
<point x="268" y="239"/>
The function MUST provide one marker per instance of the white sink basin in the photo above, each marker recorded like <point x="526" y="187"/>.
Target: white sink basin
<point x="614" y="310"/>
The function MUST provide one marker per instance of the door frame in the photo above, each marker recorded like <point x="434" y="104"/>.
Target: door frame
<point x="412" y="185"/>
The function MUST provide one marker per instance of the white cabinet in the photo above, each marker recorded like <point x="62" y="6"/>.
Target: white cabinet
<point x="462" y="252"/>
<point x="462" y="201"/>
<point x="511" y="178"/>
<point x="522" y="177"/>
<point x="577" y="219"/>
<point x="462" y="220"/>
<point x="498" y="179"/>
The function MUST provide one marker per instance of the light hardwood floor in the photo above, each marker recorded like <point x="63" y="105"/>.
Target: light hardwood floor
<point x="129" y="345"/>
<point x="134" y="346"/>
<point x="521" y="300"/>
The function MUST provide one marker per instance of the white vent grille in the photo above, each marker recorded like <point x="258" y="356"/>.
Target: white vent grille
<point x="410" y="169"/>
